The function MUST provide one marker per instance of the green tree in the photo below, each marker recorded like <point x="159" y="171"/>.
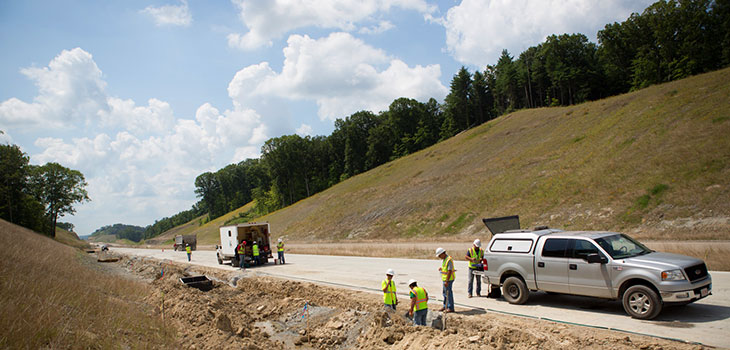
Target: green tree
<point x="456" y="107"/>
<point x="58" y="188"/>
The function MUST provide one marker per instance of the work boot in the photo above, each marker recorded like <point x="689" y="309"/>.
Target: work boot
<point x="470" y="295"/>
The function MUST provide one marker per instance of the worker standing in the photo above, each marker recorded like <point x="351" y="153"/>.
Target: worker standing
<point x="474" y="255"/>
<point x="447" y="277"/>
<point x="388" y="287"/>
<point x="241" y="250"/>
<point x="255" y="249"/>
<point x="189" y="251"/>
<point x="419" y="303"/>
<point x="280" y="250"/>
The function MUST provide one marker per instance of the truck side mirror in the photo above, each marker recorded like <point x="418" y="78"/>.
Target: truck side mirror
<point x="596" y="259"/>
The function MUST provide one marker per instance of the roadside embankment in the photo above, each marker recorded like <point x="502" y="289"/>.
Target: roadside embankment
<point x="53" y="296"/>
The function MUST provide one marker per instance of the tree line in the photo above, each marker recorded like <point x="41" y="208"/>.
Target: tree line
<point x="35" y="196"/>
<point x="669" y="40"/>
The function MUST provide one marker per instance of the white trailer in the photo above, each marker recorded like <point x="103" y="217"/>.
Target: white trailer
<point x="232" y="235"/>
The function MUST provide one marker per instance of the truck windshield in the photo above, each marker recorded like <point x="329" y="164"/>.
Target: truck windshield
<point x="621" y="246"/>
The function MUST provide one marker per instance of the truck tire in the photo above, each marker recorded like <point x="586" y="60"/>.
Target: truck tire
<point x="494" y="291"/>
<point x="515" y="291"/>
<point x="641" y="302"/>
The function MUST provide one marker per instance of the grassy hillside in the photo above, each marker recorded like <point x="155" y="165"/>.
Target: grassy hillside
<point x="70" y="238"/>
<point x="53" y="296"/>
<point x="208" y="233"/>
<point x="655" y="163"/>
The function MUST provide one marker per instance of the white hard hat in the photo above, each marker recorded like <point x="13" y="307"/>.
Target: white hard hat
<point x="440" y="251"/>
<point x="412" y="281"/>
<point x="279" y="239"/>
<point x="478" y="243"/>
<point x="390" y="272"/>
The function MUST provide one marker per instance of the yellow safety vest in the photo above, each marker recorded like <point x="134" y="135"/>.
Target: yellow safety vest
<point x="188" y="249"/>
<point x="478" y="256"/>
<point x="280" y="246"/>
<point x="389" y="296"/>
<point x="444" y="272"/>
<point x="255" y="250"/>
<point x="241" y="249"/>
<point x="421" y="299"/>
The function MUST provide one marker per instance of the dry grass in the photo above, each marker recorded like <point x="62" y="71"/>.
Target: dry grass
<point x="70" y="239"/>
<point x="713" y="253"/>
<point x="54" y="296"/>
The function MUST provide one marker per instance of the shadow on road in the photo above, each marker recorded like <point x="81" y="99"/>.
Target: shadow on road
<point x="671" y="316"/>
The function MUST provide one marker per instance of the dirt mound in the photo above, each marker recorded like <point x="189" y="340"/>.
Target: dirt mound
<point x="245" y="311"/>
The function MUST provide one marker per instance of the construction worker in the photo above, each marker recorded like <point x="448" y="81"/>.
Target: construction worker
<point x="388" y="286"/>
<point x="419" y="303"/>
<point x="280" y="250"/>
<point x="255" y="249"/>
<point x="447" y="277"/>
<point x="241" y="251"/>
<point x="474" y="255"/>
<point x="189" y="251"/>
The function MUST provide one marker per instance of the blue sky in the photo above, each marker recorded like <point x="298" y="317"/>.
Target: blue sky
<point x="143" y="96"/>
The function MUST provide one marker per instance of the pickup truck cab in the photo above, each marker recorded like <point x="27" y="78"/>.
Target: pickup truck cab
<point x="592" y="263"/>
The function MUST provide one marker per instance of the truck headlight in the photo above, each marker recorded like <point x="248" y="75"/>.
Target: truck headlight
<point x="672" y="275"/>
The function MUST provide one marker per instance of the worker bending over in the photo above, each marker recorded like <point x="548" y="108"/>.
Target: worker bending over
<point x="419" y="303"/>
<point x="447" y="277"/>
<point x="388" y="286"/>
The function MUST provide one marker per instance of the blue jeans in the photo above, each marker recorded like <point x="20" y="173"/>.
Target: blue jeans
<point x="281" y="257"/>
<point x="419" y="317"/>
<point x="242" y="262"/>
<point x="471" y="282"/>
<point x="448" y="295"/>
<point x="189" y="256"/>
<point x="256" y="258"/>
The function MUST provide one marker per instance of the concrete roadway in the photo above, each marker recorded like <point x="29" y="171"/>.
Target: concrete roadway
<point x="706" y="321"/>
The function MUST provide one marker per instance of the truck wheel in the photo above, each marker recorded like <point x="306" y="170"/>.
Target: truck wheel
<point x="641" y="302"/>
<point x="220" y="261"/>
<point x="494" y="291"/>
<point x="515" y="290"/>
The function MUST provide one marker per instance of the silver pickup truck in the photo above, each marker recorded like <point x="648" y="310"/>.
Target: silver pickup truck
<point x="590" y="263"/>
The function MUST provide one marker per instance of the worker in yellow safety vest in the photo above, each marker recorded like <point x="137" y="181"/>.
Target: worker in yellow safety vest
<point x="280" y="250"/>
<point x="419" y="303"/>
<point x="188" y="250"/>
<point x="388" y="287"/>
<point x="241" y="250"/>
<point x="255" y="249"/>
<point x="474" y="255"/>
<point x="447" y="277"/>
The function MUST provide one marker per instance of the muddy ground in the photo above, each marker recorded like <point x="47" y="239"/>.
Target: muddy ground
<point x="245" y="311"/>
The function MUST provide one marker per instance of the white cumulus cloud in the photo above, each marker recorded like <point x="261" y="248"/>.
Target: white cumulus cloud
<point x="176" y="15"/>
<point x="340" y="72"/>
<point x="304" y="130"/>
<point x="70" y="90"/>
<point x="267" y="19"/>
<point x="478" y="30"/>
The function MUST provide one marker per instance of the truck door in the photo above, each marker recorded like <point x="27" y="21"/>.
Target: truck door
<point x="588" y="279"/>
<point x="551" y="266"/>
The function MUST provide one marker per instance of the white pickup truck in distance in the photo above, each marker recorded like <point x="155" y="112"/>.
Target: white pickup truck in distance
<point x="590" y="263"/>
